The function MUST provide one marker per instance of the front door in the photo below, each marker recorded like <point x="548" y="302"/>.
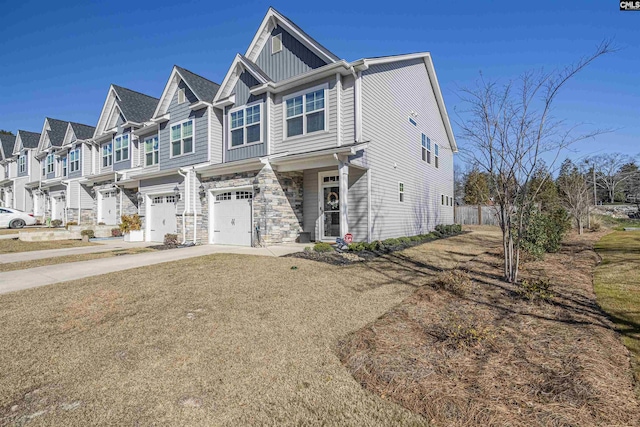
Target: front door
<point x="330" y="206"/>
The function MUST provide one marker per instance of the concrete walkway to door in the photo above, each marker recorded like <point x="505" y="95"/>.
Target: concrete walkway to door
<point x="40" y="276"/>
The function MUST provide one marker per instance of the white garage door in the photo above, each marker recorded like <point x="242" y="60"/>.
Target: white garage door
<point x="162" y="217"/>
<point x="108" y="212"/>
<point x="57" y="206"/>
<point x="232" y="218"/>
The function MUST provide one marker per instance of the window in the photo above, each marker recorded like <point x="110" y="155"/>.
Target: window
<point x="401" y="191"/>
<point x="426" y="149"/>
<point x="50" y="167"/>
<point x="181" y="96"/>
<point x="107" y="155"/>
<point x="44" y="167"/>
<point x="74" y="160"/>
<point x="276" y="43"/>
<point x="151" y="151"/>
<point x="442" y="201"/>
<point x="158" y="199"/>
<point x="223" y="196"/>
<point x="436" y="155"/>
<point x="63" y="161"/>
<point x="413" y="122"/>
<point x="22" y="163"/>
<point x="305" y="113"/>
<point x="122" y="147"/>
<point x="245" y="126"/>
<point x="182" y="138"/>
<point x="244" y="195"/>
<point x="170" y="199"/>
<point x="446" y="198"/>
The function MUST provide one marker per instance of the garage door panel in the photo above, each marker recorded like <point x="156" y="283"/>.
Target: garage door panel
<point x="232" y="223"/>
<point x="108" y="211"/>
<point x="162" y="217"/>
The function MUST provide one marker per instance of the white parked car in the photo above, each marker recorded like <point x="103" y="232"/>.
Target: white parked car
<point x="13" y="218"/>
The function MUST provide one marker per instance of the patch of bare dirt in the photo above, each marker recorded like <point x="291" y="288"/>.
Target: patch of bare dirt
<point x="469" y="349"/>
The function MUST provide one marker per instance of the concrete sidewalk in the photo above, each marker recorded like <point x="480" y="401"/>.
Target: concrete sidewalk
<point x="103" y="246"/>
<point x="40" y="276"/>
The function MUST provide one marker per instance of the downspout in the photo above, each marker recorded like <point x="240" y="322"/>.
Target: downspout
<point x="66" y="201"/>
<point x="184" y="212"/>
<point x="120" y="190"/>
<point x="195" y="206"/>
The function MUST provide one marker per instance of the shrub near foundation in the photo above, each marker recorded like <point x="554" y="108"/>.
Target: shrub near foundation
<point x="171" y="239"/>
<point x="323" y="247"/>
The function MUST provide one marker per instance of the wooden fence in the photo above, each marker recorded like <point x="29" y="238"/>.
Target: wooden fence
<point x="476" y="215"/>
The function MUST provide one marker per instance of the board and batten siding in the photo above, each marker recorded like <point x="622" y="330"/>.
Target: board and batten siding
<point x="243" y="97"/>
<point x="178" y="113"/>
<point x="294" y="58"/>
<point x="312" y="141"/>
<point x="390" y="92"/>
<point x="348" y="110"/>
<point x="215" y="129"/>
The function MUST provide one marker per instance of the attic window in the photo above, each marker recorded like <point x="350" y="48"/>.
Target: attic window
<point x="276" y="43"/>
<point x="181" y="97"/>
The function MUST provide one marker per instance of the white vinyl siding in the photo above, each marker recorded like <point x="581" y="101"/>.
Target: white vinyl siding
<point x="390" y="92"/>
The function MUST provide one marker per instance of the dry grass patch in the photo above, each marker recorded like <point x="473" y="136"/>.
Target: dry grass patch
<point x="222" y="340"/>
<point x="617" y="285"/>
<point x="21" y="265"/>
<point x="494" y="356"/>
<point x="8" y="246"/>
<point x="5" y="231"/>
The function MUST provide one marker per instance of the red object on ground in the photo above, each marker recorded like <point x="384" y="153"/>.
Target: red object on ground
<point x="348" y="238"/>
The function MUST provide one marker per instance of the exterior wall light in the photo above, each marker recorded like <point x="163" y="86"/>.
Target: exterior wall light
<point x="202" y="192"/>
<point x="176" y="192"/>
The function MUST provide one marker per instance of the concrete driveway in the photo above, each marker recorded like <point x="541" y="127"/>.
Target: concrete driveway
<point x="30" y="278"/>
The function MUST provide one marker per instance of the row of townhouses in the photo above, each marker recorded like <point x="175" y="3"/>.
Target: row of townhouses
<point x="295" y="143"/>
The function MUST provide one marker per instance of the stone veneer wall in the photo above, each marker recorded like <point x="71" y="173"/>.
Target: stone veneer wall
<point x="86" y="216"/>
<point x="277" y="207"/>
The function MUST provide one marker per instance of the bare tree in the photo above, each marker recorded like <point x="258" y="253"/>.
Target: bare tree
<point x="609" y="172"/>
<point x="508" y="130"/>
<point x="575" y="193"/>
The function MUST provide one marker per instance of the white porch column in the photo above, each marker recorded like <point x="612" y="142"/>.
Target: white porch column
<point x="343" y="169"/>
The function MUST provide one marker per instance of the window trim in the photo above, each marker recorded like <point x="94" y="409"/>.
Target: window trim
<point x="193" y="139"/>
<point x="436" y="155"/>
<point x="244" y="125"/>
<point x="50" y="163"/>
<point x="401" y="192"/>
<point x="278" y="37"/>
<point x="106" y="156"/>
<point x="121" y="149"/>
<point x="153" y="151"/>
<point x="425" y="146"/>
<point x="72" y="163"/>
<point x="22" y="166"/>
<point x="325" y="87"/>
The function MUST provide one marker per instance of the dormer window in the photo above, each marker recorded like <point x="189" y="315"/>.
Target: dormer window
<point x="181" y="96"/>
<point x="276" y="43"/>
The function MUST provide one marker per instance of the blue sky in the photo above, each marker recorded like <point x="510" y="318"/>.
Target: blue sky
<point x="57" y="59"/>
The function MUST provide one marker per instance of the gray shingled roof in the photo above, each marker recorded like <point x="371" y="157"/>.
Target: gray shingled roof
<point x="6" y="144"/>
<point x="83" y="131"/>
<point x="57" y="132"/>
<point x="29" y="139"/>
<point x="204" y="89"/>
<point x="136" y="107"/>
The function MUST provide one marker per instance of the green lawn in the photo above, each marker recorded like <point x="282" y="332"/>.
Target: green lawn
<point x="617" y="223"/>
<point x="617" y="286"/>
